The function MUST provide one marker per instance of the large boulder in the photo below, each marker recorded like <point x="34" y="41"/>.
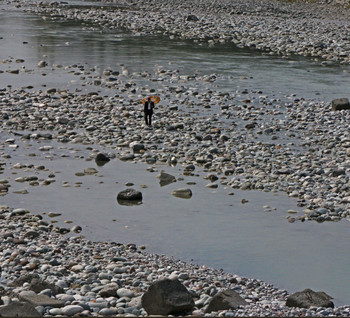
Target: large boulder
<point x="166" y="297"/>
<point x="309" y="298"/>
<point x="224" y="300"/>
<point x="340" y="103"/>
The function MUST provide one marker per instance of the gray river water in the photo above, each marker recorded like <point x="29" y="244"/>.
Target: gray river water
<point x="211" y="228"/>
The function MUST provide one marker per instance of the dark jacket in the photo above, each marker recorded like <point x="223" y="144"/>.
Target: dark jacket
<point x="146" y="107"/>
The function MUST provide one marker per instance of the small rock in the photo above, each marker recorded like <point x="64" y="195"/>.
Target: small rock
<point x="183" y="193"/>
<point x="165" y="179"/>
<point x="124" y="292"/>
<point x="71" y="310"/>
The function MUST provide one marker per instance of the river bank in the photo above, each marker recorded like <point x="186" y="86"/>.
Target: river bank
<point x="55" y="275"/>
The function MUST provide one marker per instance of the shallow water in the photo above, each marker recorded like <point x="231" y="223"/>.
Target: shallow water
<point x="212" y="227"/>
<point x="66" y="43"/>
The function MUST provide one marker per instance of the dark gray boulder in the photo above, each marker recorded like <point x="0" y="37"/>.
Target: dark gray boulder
<point x="192" y="17"/>
<point x="129" y="195"/>
<point x="101" y="159"/>
<point x="340" y="104"/>
<point x="309" y="298"/>
<point x="250" y="125"/>
<point x="226" y="299"/>
<point x="19" y="309"/>
<point x="137" y="147"/>
<point x="166" y="297"/>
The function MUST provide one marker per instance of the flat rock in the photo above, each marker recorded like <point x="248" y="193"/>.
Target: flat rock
<point x="90" y="171"/>
<point x="19" y="309"/>
<point x="42" y="300"/>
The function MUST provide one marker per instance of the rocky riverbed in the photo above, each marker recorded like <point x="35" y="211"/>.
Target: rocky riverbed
<point x="247" y="141"/>
<point x="242" y="139"/>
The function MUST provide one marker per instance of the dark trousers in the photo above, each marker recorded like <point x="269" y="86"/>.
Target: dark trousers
<point x="148" y="118"/>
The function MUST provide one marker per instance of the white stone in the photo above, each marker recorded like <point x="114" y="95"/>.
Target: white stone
<point x="71" y="310"/>
<point x="124" y="292"/>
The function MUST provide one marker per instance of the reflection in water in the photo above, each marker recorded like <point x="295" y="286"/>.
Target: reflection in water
<point x="129" y="202"/>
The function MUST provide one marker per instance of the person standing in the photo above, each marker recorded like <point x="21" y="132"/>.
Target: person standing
<point x="148" y="111"/>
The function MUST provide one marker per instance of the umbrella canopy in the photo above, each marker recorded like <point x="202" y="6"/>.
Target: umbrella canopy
<point x="155" y="99"/>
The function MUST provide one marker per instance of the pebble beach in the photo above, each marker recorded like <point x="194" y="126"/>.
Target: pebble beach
<point x="248" y="141"/>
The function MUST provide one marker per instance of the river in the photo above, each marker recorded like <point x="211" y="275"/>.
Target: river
<point x="214" y="229"/>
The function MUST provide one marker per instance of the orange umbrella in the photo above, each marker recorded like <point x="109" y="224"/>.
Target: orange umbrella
<point x="155" y="99"/>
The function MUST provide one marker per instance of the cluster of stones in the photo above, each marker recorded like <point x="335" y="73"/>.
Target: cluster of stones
<point x="46" y="274"/>
<point x="312" y="29"/>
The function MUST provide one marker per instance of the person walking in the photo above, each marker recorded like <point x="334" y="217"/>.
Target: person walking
<point x="148" y="111"/>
